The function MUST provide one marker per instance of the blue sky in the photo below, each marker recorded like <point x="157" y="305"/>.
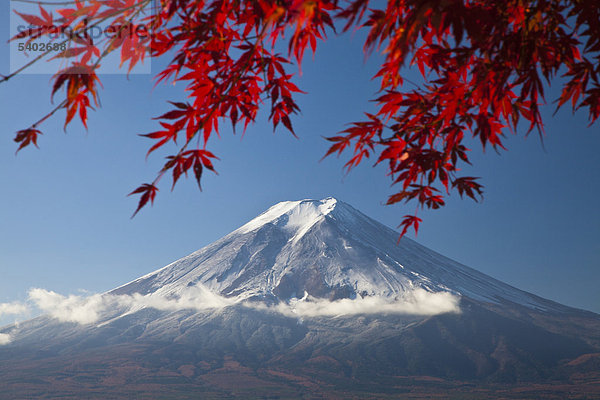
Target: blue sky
<point x="65" y="218"/>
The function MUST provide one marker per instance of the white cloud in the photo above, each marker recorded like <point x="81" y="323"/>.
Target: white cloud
<point x="91" y="309"/>
<point x="194" y="297"/>
<point x="4" y="338"/>
<point x="83" y="310"/>
<point x="415" y="302"/>
<point x="13" y="308"/>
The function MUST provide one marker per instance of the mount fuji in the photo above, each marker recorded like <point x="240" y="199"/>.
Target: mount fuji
<point x="311" y="299"/>
<point x="325" y="249"/>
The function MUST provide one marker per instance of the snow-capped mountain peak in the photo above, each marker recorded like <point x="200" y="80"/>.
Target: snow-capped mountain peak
<point x="294" y="217"/>
<point x="327" y="249"/>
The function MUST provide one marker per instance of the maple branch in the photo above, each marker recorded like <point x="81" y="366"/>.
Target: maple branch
<point x="166" y="167"/>
<point x="65" y="102"/>
<point x="479" y="86"/>
<point x="142" y="5"/>
<point x="58" y="107"/>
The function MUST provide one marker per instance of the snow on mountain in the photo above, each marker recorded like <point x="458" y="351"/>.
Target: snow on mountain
<point x="295" y="217"/>
<point x="327" y="250"/>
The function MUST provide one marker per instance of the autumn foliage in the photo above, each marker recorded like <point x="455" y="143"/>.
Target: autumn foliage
<point x="484" y="63"/>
